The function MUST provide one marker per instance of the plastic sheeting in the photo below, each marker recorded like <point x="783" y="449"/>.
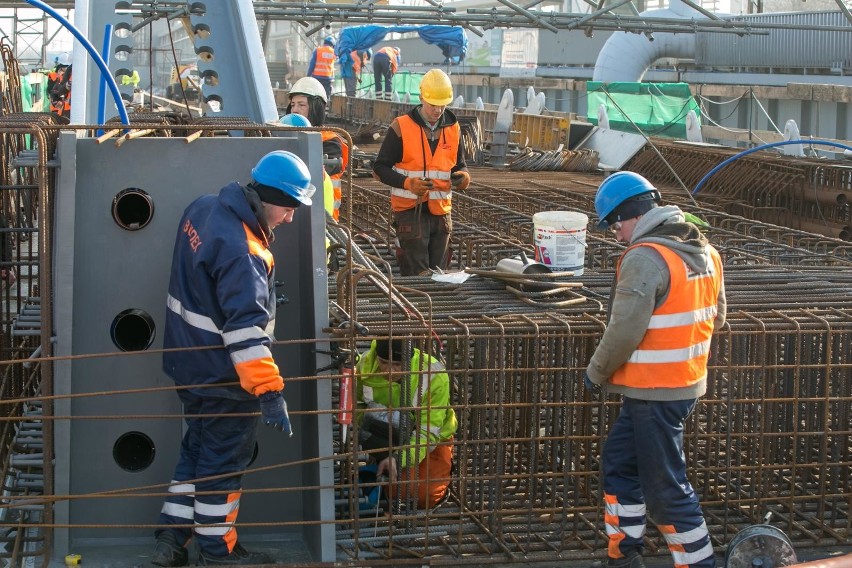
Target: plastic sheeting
<point x="451" y="40"/>
<point x="658" y="109"/>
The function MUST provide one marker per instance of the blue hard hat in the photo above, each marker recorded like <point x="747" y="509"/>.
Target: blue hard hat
<point x="329" y="40"/>
<point x="295" y="120"/>
<point x="618" y="188"/>
<point x="287" y="172"/>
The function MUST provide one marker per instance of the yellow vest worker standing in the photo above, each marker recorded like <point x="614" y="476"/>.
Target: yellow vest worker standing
<point x="321" y="66"/>
<point x="667" y="298"/>
<point x="422" y="159"/>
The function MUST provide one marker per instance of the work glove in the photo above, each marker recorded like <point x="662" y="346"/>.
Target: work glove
<point x="460" y="179"/>
<point x="418" y="186"/>
<point x="590" y="386"/>
<point x="273" y="409"/>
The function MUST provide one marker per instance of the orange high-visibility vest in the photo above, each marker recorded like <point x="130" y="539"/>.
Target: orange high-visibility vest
<point x="336" y="178"/>
<point x="674" y="351"/>
<point x="438" y="166"/>
<point x="392" y="55"/>
<point x="358" y="62"/>
<point x="324" y="64"/>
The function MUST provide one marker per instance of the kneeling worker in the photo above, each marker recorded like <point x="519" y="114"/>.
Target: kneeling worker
<point x="426" y="454"/>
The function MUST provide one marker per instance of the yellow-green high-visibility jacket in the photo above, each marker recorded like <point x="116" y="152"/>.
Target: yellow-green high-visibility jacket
<point x="429" y="390"/>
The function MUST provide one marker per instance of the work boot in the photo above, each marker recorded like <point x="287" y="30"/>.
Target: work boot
<point x="238" y="557"/>
<point x="168" y="552"/>
<point x="632" y="560"/>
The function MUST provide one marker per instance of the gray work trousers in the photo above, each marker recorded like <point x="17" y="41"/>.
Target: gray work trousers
<point x="424" y="240"/>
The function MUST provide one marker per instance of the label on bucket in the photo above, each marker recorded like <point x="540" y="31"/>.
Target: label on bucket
<point x="559" y="238"/>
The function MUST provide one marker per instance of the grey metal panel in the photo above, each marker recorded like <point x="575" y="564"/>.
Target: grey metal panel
<point x="115" y="269"/>
<point x="614" y="148"/>
<point x="570" y="48"/>
<point x="782" y="48"/>
<point x="63" y="272"/>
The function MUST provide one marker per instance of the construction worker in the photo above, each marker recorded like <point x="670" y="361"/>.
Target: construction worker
<point x="425" y="450"/>
<point x="422" y="159"/>
<point x="386" y="62"/>
<point x="668" y="297"/>
<point x="352" y="73"/>
<point x="132" y="79"/>
<point x="298" y="121"/>
<point x="308" y="98"/>
<point x="321" y="65"/>
<point x="59" y="86"/>
<point x="222" y="294"/>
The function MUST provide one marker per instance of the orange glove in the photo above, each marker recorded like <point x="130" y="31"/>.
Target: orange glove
<point x="460" y="179"/>
<point x="418" y="186"/>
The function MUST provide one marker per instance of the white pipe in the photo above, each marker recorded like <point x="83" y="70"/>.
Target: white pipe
<point x="626" y="57"/>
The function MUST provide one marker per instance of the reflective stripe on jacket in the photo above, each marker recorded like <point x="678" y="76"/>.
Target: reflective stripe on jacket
<point x="221" y="294"/>
<point x="324" y="65"/>
<point x="429" y="390"/>
<point x="674" y="350"/>
<point x="438" y="166"/>
<point x="336" y="178"/>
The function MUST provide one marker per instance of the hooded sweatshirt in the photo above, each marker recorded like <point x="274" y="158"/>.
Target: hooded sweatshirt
<point x="642" y="285"/>
<point x="390" y="152"/>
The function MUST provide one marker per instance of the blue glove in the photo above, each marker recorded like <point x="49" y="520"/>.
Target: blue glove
<point x="590" y="386"/>
<point x="273" y="409"/>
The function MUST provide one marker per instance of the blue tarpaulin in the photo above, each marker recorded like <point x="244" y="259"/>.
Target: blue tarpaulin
<point x="451" y="40"/>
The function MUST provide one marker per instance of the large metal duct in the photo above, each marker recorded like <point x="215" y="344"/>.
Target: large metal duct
<point x="626" y="57"/>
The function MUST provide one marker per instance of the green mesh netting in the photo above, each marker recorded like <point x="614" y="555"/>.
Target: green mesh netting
<point x="658" y="109"/>
<point x="404" y="82"/>
<point x="407" y="82"/>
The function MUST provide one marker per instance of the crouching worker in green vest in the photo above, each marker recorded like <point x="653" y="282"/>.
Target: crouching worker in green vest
<point x="417" y="448"/>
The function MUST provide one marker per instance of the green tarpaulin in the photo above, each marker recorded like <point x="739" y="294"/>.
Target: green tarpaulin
<point x="658" y="109"/>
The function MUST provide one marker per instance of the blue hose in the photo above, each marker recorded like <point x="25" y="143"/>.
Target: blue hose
<point x="102" y="83"/>
<point x="113" y="86"/>
<point x="764" y="147"/>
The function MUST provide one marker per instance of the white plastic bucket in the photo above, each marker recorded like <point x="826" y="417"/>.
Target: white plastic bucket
<point x="559" y="238"/>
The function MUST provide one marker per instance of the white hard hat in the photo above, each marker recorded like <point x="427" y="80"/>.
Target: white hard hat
<point x="310" y="87"/>
<point x="64" y="58"/>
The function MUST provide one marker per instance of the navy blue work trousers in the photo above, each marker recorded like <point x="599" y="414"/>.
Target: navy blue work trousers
<point x="382" y="74"/>
<point x="212" y="446"/>
<point x="644" y="467"/>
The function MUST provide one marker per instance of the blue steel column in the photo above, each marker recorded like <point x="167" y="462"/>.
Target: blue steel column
<point x="231" y="60"/>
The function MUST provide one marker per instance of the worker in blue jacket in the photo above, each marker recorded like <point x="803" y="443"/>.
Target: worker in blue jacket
<point x="221" y="311"/>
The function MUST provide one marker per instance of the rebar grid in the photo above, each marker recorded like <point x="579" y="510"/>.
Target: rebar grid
<point x="493" y="220"/>
<point x="801" y="193"/>
<point x="773" y="434"/>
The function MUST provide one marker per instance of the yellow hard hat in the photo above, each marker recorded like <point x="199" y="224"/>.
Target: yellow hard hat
<point x="436" y="88"/>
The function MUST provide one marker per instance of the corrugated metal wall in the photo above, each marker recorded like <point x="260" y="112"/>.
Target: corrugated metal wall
<point x="782" y="48"/>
